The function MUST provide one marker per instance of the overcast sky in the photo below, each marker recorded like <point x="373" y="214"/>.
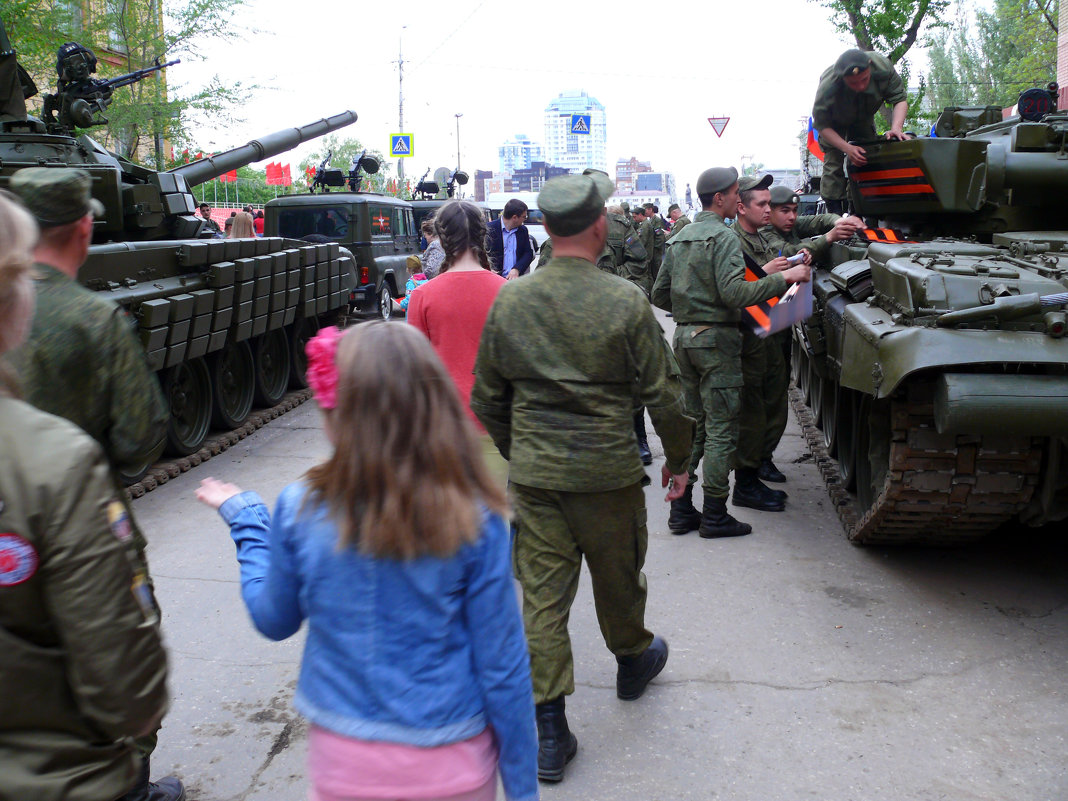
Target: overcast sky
<point x="659" y="69"/>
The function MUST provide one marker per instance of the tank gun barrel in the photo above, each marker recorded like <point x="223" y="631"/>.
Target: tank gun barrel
<point x="259" y="149"/>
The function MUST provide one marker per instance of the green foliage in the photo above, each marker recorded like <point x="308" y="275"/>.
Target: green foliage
<point x="753" y="168"/>
<point x="989" y="56"/>
<point x="343" y="151"/>
<point x="890" y="27"/>
<point x="127" y="35"/>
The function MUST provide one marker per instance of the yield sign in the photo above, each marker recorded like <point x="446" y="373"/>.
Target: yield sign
<point x="718" y="124"/>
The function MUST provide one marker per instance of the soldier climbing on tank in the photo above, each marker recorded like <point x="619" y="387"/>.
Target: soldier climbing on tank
<point x="850" y="93"/>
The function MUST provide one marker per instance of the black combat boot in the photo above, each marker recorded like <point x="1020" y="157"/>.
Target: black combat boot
<point x="751" y="493"/>
<point x="635" y="672"/>
<point x="168" y="789"/>
<point x="644" y="453"/>
<point x="684" y="517"/>
<point x="715" y="522"/>
<point x="556" y="744"/>
<point x="769" y="472"/>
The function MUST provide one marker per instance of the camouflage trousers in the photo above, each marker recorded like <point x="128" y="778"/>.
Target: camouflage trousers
<point x="764" y="403"/>
<point x="704" y="372"/>
<point x="554" y="531"/>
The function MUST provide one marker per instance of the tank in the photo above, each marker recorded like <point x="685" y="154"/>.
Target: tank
<point x="935" y="360"/>
<point x="222" y="322"/>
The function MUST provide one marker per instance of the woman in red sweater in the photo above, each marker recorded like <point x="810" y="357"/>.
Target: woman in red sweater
<point x="451" y="309"/>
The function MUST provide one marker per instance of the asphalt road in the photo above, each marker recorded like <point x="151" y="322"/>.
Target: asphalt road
<point x="800" y="667"/>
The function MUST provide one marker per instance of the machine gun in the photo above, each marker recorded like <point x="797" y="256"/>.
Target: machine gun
<point x="361" y="163"/>
<point x="80" y="98"/>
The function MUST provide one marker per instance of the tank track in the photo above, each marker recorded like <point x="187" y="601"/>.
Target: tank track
<point x="940" y="489"/>
<point x="162" y="472"/>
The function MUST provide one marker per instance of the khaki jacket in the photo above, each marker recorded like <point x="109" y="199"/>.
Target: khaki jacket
<point x="82" y="665"/>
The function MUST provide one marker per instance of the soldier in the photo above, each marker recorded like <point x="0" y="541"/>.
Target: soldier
<point x="205" y="213"/>
<point x="82" y="362"/>
<point x="765" y="381"/>
<point x="849" y="94"/>
<point x="556" y="387"/>
<point x="702" y="282"/>
<point x="651" y="235"/>
<point x="678" y="219"/>
<point x="790" y="234"/>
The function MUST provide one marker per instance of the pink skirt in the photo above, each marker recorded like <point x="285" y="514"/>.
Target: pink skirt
<point x="347" y="769"/>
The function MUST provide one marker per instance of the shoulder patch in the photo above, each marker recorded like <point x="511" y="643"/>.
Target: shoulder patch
<point x="119" y="521"/>
<point x="18" y="560"/>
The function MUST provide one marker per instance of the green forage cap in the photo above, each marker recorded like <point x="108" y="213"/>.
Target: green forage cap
<point x="672" y="207"/>
<point x="572" y="203"/>
<point x="781" y="195"/>
<point x="625" y="206"/>
<point x="56" y="196"/>
<point x="747" y="182"/>
<point x="852" y="62"/>
<point x="716" y="179"/>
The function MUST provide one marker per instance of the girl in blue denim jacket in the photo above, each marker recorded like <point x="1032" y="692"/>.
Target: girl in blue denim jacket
<point x="415" y="675"/>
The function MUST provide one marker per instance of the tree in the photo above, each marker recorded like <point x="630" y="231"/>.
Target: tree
<point x="127" y="35"/>
<point x="343" y="151"/>
<point x="890" y="27"/>
<point x="988" y="56"/>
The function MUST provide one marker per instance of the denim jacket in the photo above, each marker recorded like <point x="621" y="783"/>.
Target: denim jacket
<point x="425" y="651"/>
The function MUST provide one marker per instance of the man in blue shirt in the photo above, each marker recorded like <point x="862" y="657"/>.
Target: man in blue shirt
<point x="508" y="241"/>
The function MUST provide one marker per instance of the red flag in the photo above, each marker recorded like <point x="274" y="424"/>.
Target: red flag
<point x="287" y="178"/>
<point x="309" y="171"/>
<point x="229" y="177"/>
<point x="272" y="174"/>
<point x="813" y="143"/>
<point x="199" y="155"/>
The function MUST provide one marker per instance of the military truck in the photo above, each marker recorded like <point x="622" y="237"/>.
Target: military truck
<point x="379" y="231"/>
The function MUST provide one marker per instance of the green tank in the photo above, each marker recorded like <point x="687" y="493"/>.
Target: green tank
<point x="222" y="321"/>
<point x="935" y="360"/>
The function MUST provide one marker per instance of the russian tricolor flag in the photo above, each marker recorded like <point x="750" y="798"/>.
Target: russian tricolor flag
<point x="813" y="144"/>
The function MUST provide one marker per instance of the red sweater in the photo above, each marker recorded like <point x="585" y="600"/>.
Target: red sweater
<point x="451" y="310"/>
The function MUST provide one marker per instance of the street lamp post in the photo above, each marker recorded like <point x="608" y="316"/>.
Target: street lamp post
<point x="458" y="140"/>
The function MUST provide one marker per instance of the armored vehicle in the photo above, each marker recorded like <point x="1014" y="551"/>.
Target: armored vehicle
<point x="935" y="360"/>
<point x="222" y="322"/>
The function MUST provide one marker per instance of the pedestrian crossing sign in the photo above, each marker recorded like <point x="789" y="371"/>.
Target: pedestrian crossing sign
<point x="580" y="123"/>
<point x="400" y="145"/>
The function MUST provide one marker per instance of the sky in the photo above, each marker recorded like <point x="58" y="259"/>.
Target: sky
<point x="661" y="70"/>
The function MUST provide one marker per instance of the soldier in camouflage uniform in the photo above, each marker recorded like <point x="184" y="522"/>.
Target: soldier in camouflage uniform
<point x="82" y="361"/>
<point x="651" y="235"/>
<point x="815" y="233"/>
<point x="556" y="386"/>
<point x="702" y="282"/>
<point x="765" y="380"/>
<point x="849" y="94"/>
<point x="678" y="219"/>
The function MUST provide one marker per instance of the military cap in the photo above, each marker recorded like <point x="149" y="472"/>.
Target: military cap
<point x="672" y="207"/>
<point x="572" y="203"/>
<point x="625" y="206"/>
<point x="56" y="196"/>
<point x="781" y="195"/>
<point x="851" y="62"/>
<point x="747" y="182"/>
<point x="716" y="179"/>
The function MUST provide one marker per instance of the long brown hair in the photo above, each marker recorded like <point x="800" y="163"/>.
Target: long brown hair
<point x="407" y="474"/>
<point x="242" y="228"/>
<point x="18" y="237"/>
<point x="461" y="226"/>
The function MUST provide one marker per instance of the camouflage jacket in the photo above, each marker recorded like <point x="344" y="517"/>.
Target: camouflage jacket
<point x="629" y="257"/>
<point x="651" y="234"/>
<point x="809" y="233"/>
<point x="678" y="225"/>
<point x="756" y="246"/>
<point x="703" y="281"/>
<point x="81" y="658"/>
<point x="557" y="381"/>
<point x="82" y="362"/>
<point x="852" y="114"/>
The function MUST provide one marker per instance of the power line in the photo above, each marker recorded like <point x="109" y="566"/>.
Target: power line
<point x="456" y="30"/>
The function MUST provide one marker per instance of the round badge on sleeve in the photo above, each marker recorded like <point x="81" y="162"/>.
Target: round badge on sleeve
<point x="18" y="560"/>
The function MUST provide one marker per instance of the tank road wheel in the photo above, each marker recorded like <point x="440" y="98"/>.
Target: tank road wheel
<point x="299" y="333"/>
<point x="271" y="355"/>
<point x="232" y="380"/>
<point x="847" y="438"/>
<point x="873" y="449"/>
<point x="829" y="415"/>
<point x="131" y="475"/>
<point x="385" y="301"/>
<point x="802" y="372"/>
<point x="815" y="394"/>
<point x="795" y="360"/>
<point x="187" y="388"/>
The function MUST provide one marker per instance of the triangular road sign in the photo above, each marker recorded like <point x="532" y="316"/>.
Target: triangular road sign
<point x="718" y="124"/>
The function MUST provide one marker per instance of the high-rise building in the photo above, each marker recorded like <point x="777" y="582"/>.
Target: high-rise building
<point x="518" y="153"/>
<point x="626" y="170"/>
<point x="575" y="151"/>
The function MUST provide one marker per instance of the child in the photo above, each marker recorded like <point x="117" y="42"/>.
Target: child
<point x="415" y="674"/>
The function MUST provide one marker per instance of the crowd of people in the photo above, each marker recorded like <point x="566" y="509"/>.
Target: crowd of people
<point x="499" y="436"/>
